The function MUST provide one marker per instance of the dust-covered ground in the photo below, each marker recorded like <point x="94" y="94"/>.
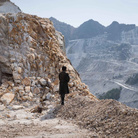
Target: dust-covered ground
<point x="52" y="128"/>
<point x="107" y="118"/>
<point x="18" y="122"/>
<point x="80" y="117"/>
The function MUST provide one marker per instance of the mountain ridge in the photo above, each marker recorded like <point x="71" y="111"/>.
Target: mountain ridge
<point x="91" y="28"/>
<point x="88" y="29"/>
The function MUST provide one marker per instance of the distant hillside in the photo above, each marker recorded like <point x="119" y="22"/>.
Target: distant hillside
<point x="115" y="29"/>
<point x="67" y="30"/>
<point x="105" y="57"/>
<point x="90" y="29"/>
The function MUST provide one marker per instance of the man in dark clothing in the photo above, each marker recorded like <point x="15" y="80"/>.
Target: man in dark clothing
<point x="63" y="87"/>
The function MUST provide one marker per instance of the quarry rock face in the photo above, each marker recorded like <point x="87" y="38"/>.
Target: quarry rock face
<point x="31" y="57"/>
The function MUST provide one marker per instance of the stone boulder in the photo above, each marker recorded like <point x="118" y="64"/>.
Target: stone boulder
<point x="7" y="98"/>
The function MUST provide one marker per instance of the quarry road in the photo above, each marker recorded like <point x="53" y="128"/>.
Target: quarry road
<point x="28" y="125"/>
<point x="125" y="86"/>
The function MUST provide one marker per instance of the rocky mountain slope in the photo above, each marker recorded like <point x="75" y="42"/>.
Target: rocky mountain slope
<point x="114" y="30"/>
<point x="66" y="29"/>
<point x="88" y="29"/>
<point x="109" y="56"/>
<point x="104" y="65"/>
<point x="30" y="54"/>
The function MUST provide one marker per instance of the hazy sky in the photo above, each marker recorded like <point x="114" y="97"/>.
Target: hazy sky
<point x="75" y="12"/>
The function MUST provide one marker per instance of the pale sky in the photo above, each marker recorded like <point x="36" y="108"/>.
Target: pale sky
<point x="75" y="12"/>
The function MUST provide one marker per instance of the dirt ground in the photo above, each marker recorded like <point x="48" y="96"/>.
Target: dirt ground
<point x="22" y="123"/>
<point x="80" y="117"/>
<point x="52" y="128"/>
<point x="107" y="118"/>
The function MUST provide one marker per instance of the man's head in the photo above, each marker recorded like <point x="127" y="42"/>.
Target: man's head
<point x="63" y="68"/>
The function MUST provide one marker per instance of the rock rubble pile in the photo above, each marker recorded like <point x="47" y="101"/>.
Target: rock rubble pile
<point x="107" y="118"/>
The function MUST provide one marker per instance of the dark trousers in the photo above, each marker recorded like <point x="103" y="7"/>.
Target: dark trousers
<point x="62" y="98"/>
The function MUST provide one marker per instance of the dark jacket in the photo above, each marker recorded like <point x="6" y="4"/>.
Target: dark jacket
<point x="63" y="86"/>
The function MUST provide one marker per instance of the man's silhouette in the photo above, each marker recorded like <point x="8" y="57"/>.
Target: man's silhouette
<point x="63" y="87"/>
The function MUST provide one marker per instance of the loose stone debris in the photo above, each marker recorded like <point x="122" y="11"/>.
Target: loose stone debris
<point x="107" y="118"/>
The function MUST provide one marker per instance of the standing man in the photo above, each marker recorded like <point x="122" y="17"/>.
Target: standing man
<point x="63" y="87"/>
